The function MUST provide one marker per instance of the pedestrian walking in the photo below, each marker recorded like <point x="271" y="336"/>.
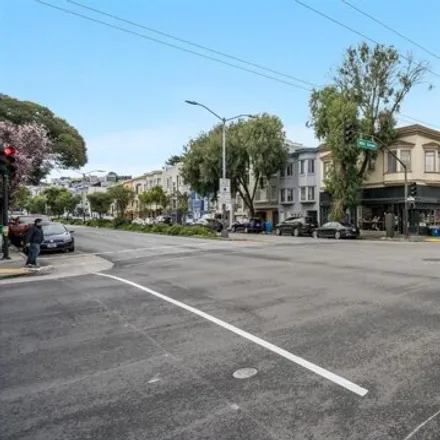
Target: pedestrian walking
<point x="33" y="240"/>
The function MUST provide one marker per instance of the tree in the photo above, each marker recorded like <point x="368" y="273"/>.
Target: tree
<point x="60" y="200"/>
<point x="51" y="195"/>
<point x="173" y="160"/>
<point x="158" y="198"/>
<point x="20" y="199"/>
<point x="121" y="197"/>
<point x="33" y="150"/>
<point x="255" y="147"/>
<point x="145" y="202"/>
<point x="100" y="203"/>
<point x="368" y="91"/>
<point x="67" y="202"/>
<point x="37" y="205"/>
<point x="67" y="145"/>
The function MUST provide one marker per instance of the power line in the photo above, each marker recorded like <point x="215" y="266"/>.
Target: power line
<point x="174" y="46"/>
<point x="366" y="37"/>
<point x="409" y="40"/>
<point x="191" y="43"/>
<point x="85" y="17"/>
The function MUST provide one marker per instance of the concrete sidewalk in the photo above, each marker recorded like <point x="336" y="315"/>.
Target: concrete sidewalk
<point x="15" y="266"/>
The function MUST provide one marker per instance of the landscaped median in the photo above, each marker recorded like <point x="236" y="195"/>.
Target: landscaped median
<point x="124" y="225"/>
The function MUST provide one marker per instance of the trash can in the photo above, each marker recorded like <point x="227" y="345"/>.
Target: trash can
<point x="436" y="231"/>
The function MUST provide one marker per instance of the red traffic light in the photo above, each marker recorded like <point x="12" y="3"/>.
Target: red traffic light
<point x="9" y="151"/>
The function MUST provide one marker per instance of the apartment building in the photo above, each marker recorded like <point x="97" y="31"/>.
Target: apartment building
<point x="419" y="148"/>
<point x="299" y="185"/>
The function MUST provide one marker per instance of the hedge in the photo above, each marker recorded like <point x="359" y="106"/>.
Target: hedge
<point x="125" y="225"/>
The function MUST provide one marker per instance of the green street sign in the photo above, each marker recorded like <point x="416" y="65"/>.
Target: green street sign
<point x="365" y="144"/>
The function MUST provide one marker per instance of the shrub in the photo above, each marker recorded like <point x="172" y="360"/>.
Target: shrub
<point x="176" y="230"/>
<point x="161" y="229"/>
<point x="120" y="222"/>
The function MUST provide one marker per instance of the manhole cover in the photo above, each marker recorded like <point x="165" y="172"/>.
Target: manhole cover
<point x="245" y="373"/>
<point x="432" y="260"/>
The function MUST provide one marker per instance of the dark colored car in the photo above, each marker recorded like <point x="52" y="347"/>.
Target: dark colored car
<point x="296" y="226"/>
<point x="211" y="224"/>
<point x="336" y="230"/>
<point x="252" y="225"/>
<point x="19" y="225"/>
<point x="57" y="238"/>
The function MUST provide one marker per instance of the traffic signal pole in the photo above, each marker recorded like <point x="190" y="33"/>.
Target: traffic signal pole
<point x="405" y="174"/>
<point x="5" y="217"/>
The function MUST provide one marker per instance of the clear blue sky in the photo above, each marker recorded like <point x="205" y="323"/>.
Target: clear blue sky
<point x="125" y="94"/>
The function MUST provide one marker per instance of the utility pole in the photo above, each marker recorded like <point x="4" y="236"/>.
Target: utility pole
<point x="224" y="121"/>
<point x="5" y="218"/>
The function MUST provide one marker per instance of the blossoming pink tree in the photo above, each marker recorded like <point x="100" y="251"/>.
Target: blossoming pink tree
<point x="33" y="150"/>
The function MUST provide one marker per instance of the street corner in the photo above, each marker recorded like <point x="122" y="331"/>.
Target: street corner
<point x="12" y="272"/>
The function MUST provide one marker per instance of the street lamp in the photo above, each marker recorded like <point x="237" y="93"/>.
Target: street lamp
<point x="84" y="176"/>
<point x="224" y="121"/>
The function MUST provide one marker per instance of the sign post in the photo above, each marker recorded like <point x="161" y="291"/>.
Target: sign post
<point x="366" y="144"/>
<point x="224" y="194"/>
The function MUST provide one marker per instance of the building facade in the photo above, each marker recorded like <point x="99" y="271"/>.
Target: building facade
<point x="299" y="185"/>
<point x="418" y="147"/>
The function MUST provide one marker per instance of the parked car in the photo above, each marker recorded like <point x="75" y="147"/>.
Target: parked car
<point x="19" y="225"/>
<point x="296" y="226"/>
<point x="336" y="230"/>
<point x="210" y="223"/>
<point x="253" y="224"/>
<point x="57" y="238"/>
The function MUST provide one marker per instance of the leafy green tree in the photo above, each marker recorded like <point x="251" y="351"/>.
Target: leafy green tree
<point x="60" y="200"/>
<point x="66" y="202"/>
<point x="37" y="205"/>
<point x="254" y="147"/>
<point x="145" y="202"/>
<point x="100" y="203"/>
<point x="68" y="146"/>
<point x="20" y="198"/>
<point x="158" y="198"/>
<point x="122" y="197"/>
<point x="369" y="89"/>
<point x="173" y="160"/>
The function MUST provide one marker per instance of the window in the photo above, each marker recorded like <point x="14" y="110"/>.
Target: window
<point x="273" y="192"/>
<point x="327" y="169"/>
<point x="289" y="195"/>
<point x="303" y="194"/>
<point x="310" y="166"/>
<point x="438" y="161"/>
<point x="405" y="157"/>
<point x="430" y="161"/>
<point x="289" y="170"/>
<point x="174" y="186"/>
<point x="283" y="195"/>
<point x="310" y="193"/>
<point x="392" y="163"/>
<point x="372" y="164"/>
<point x="302" y="167"/>
<point x="282" y="172"/>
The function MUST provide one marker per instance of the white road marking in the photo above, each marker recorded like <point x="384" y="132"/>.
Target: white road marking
<point x="411" y="434"/>
<point x="261" y="342"/>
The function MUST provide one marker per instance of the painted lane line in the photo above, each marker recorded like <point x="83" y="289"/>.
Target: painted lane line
<point x="261" y="342"/>
<point x="412" y="433"/>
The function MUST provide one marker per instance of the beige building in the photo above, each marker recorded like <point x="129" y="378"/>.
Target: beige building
<point x="419" y="148"/>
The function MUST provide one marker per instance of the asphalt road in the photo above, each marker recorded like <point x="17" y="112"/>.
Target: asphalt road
<point x="343" y="336"/>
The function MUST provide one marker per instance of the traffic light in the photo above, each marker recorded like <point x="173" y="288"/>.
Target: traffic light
<point x="349" y="133"/>
<point x="413" y="189"/>
<point x="11" y="166"/>
<point x="3" y="167"/>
